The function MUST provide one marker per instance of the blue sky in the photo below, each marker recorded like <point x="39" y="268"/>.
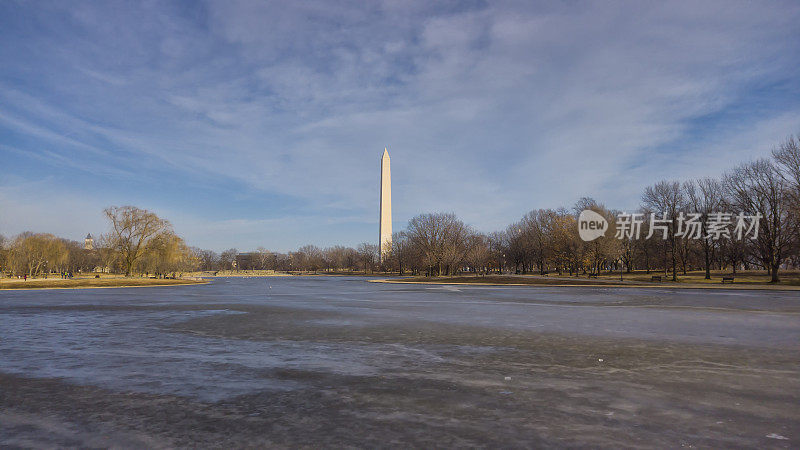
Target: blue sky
<point x="252" y="124"/>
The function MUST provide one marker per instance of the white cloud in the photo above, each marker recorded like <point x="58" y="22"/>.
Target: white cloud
<point x="487" y="111"/>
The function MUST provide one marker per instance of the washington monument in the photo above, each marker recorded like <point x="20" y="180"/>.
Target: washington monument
<point x="385" y="229"/>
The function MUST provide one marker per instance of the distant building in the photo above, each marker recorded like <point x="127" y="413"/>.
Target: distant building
<point x="245" y="261"/>
<point x="88" y="243"/>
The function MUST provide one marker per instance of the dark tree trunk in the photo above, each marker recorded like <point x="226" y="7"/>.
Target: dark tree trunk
<point x="774" y="274"/>
<point x="674" y="271"/>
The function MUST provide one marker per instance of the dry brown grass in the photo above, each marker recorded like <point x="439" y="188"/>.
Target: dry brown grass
<point x="80" y="283"/>
<point x="743" y="279"/>
<point x="748" y="277"/>
<point x="512" y="279"/>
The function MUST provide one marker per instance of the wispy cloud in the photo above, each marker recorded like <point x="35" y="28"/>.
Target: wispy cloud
<point x="259" y="117"/>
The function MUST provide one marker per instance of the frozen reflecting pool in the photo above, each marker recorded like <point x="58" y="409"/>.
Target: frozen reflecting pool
<point x="310" y="361"/>
<point x="126" y="339"/>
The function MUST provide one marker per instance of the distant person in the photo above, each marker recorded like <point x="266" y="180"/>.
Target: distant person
<point x="25" y="277"/>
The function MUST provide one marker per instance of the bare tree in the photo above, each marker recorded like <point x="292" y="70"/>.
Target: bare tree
<point x="311" y="256"/>
<point x="80" y="259"/>
<point x="666" y="198"/>
<point x="478" y="255"/>
<point x="497" y="245"/>
<point x="759" y="188"/>
<point x="536" y="237"/>
<point x="646" y="248"/>
<point x="131" y="231"/>
<point x="787" y="155"/>
<point x="706" y="196"/>
<point x="441" y="240"/>
<point x="515" y="247"/>
<point x="400" y="247"/>
<point x="227" y="259"/>
<point x="37" y="254"/>
<point x="368" y="254"/>
<point x="605" y="250"/>
<point x="167" y="253"/>
<point x="265" y="259"/>
<point x="3" y="255"/>
<point x="208" y="259"/>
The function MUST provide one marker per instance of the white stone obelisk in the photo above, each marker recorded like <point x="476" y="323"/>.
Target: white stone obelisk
<point x="385" y="230"/>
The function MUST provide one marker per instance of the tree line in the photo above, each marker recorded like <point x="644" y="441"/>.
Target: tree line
<point x="138" y="242"/>
<point x="547" y="240"/>
<point x="542" y="241"/>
